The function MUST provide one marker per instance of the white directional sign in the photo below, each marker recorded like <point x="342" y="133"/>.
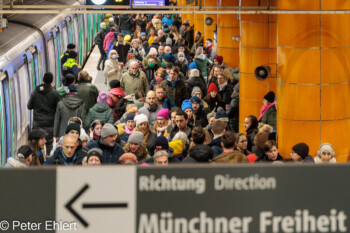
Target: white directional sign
<point x="98" y="199"/>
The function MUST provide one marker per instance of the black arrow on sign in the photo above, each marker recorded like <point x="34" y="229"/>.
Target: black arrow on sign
<point x="90" y="205"/>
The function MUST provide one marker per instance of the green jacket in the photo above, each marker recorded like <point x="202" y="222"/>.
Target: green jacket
<point x="88" y="93"/>
<point x="100" y="111"/>
<point x="203" y="65"/>
<point x="269" y="117"/>
<point x="134" y="83"/>
<point x="62" y="92"/>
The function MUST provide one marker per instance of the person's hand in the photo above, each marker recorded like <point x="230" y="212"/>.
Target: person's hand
<point x="116" y="69"/>
<point x="128" y="97"/>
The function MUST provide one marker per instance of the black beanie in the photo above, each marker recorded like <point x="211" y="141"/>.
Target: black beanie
<point x="301" y="149"/>
<point x="114" y="83"/>
<point x="270" y="96"/>
<point x="24" y="152"/>
<point x="73" y="126"/>
<point x="48" y="77"/>
<point x="95" y="152"/>
<point x="71" y="46"/>
<point x="36" y="134"/>
<point x="68" y="79"/>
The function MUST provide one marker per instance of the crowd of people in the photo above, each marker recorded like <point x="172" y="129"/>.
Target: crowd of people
<point x="171" y="99"/>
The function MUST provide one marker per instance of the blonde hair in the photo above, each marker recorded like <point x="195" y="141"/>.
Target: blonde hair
<point x="264" y="128"/>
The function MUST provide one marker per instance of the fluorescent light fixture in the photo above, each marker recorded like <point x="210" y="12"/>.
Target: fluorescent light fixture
<point x="98" y="2"/>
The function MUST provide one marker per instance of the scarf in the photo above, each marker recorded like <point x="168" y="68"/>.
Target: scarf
<point x="263" y="109"/>
<point x="153" y="109"/>
<point x="221" y="86"/>
<point x="145" y="134"/>
<point x="115" y="92"/>
<point x="128" y="131"/>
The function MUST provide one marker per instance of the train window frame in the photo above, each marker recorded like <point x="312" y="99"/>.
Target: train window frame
<point x="65" y="35"/>
<point x="52" y="56"/>
<point x="58" y="46"/>
<point x="3" y="137"/>
<point x="76" y="30"/>
<point x="17" y="106"/>
<point x="25" y="94"/>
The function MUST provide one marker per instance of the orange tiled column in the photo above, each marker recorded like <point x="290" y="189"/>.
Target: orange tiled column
<point x="313" y="88"/>
<point x="209" y="30"/>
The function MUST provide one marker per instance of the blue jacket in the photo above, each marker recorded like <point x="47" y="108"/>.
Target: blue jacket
<point x="59" y="158"/>
<point x="168" y="22"/>
<point x="168" y="103"/>
<point x="110" y="154"/>
<point x="216" y="146"/>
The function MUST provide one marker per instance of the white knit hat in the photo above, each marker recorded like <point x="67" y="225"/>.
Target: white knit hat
<point x="153" y="51"/>
<point x="140" y="118"/>
<point x="194" y="73"/>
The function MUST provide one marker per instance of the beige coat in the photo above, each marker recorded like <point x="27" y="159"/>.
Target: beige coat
<point x="134" y="83"/>
<point x="110" y="72"/>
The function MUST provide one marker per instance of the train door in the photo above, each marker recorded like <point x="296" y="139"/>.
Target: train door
<point x="24" y="94"/>
<point x="52" y="57"/>
<point x="3" y="131"/>
<point x="59" y="51"/>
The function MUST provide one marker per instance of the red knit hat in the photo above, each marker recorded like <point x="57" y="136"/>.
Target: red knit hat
<point x="212" y="87"/>
<point x="130" y="55"/>
<point x="220" y="59"/>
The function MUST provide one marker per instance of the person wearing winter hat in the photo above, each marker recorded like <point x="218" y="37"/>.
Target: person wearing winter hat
<point x="186" y="106"/>
<point x="198" y="113"/>
<point x="100" y="111"/>
<point x="43" y="101"/>
<point x="325" y="154"/>
<point x="178" y="148"/>
<point x="94" y="157"/>
<point x="71" y="66"/>
<point x="137" y="50"/>
<point x="218" y="59"/>
<point x="251" y="128"/>
<point x="107" y="143"/>
<point x="195" y="80"/>
<point x="128" y="159"/>
<point x="113" y="97"/>
<point x="213" y="98"/>
<point x="197" y="91"/>
<point x="135" y="145"/>
<point x="268" y="110"/>
<point x="160" y="127"/>
<point x="202" y="62"/>
<point x="36" y="140"/>
<point x="168" y="59"/>
<point x="73" y="129"/>
<point x="192" y="65"/>
<point x="300" y="153"/>
<point x="127" y="128"/>
<point x="143" y="126"/>
<point x="23" y="158"/>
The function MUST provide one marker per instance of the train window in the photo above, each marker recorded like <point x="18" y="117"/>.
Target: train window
<point x="71" y="32"/>
<point x="77" y="38"/>
<point x="32" y="74"/>
<point x="3" y="128"/>
<point x="58" y="59"/>
<point x="39" y="65"/>
<point x="13" y="119"/>
<point x="65" y="38"/>
<point x="52" y="57"/>
<point x="25" y="94"/>
<point x="82" y="38"/>
<point x="9" y="120"/>
<point x="17" y="106"/>
<point x="89" y="29"/>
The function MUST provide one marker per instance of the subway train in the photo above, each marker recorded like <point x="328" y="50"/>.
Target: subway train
<point x="29" y="47"/>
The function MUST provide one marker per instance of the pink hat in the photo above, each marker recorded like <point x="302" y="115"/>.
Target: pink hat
<point x="164" y="113"/>
<point x="102" y="97"/>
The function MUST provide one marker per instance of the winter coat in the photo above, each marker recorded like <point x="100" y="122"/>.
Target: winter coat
<point x="196" y="82"/>
<point x="150" y="142"/>
<point x="123" y="53"/>
<point x="145" y="61"/>
<point x="226" y="93"/>
<point x="175" y="91"/>
<point x="259" y="152"/>
<point x="216" y="146"/>
<point x="319" y="160"/>
<point x="151" y="114"/>
<point x="233" y="113"/>
<point x="157" y="24"/>
<point x="232" y="157"/>
<point x="62" y="92"/>
<point x="44" y="102"/>
<point x="68" y="107"/>
<point x="14" y="163"/>
<point x="71" y="67"/>
<point x="110" y="72"/>
<point x="265" y="158"/>
<point x="110" y="154"/>
<point x="204" y="154"/>
<point x="88" y="93"/>
<point x="142" y="22"/>
<point x="150" y="72"/>
<point x="215" y="103"/>
<point x="210" y="53"/>
<point x="108" y="38"/>
<point x="59" y="158"/>
<point x="134" y="83"/>
<point x="126" y="22"/>
<point x="203" y="64"/>
<point x="100" y="111"/>
<point x="100" y="37"/>
<point x="189" y="36"/>
<point x="269" y="117"/>
<point x="250" y="138"/>
<point x="168" y="103"/>
<point x="139" y="53"/>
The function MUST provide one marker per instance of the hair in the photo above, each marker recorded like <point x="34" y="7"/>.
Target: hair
<point x="264" y="128"/>
<point x="260" y="139"/>
<point x="182" y="137"/>
<point x="161" y="72"/>
<point x="238" y="136"/>
<point x="75" y="120"/>
<point x="218" y="66"/>
<point x="210" y="115"/>
<point x="198" y="135"/>
<point x="199" y="33"/>
<point x="223" y="76"/>
<point x="228" y="139"/>
<point x="139" y="94"/>
<point x="133" y="62"/>
<point x="83" y="76"/>
<point x="33" y="144"/>
<point x="254" y="121"/>
<point x="96" y="123"/>
<point x="210" y="40"/>
<point x="269" y="144"/>
<point x="114" y="29"/>
<point x="130" y="106"/>
<point x="218" y="126"/>
<point x="156" y="87"/>
<point x="182" y="113"/>
<point x="160" y="154"/>
<point x="142" y="151"/>
<point x="120" y="35"/>
<point x="175" y="69"/>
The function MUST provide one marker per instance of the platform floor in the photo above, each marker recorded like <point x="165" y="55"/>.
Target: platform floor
<point x="98" y="78"/>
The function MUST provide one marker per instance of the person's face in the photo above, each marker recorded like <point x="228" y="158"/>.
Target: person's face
<point x="120" y="39"/>
<point x="181" y="49"/>
<point x="160" y="33"/>
<point x="247" y="123"/>
<point x="69" y="146"/>
<point x="160" y="121"/>
<point x="130" y="124"/>
<point x="29" y="160"/>
<point x="167" y="50"/>
<point x="134" y="68"/>
<point x="97" y="130"/>
<point x="41" y="143"/>
<point x="217" y="72"/>
<point x="110" y="140"/>
<point x="195" y="106"/>
<point x="181" y="122"/>
<point x="152" y="32"/>
<point x="143" y="37"/>
<point x="173" y="118"/>
<point x="161" y="49"/>
<point x="272" y="153"/>
<point x="160" y="93"/>
<point x="265" y="102"/>
<point x="151" y="59"/>
<point x="143" y="126"/>
<point x="161" y="161"/>
<point x="198" y="94"/>
<point x="74" y="133"/>
<point x="168" y="16"/>
<point x="141" y="99"/>
<point x="242" y="142"/>
<point x="295" y="156"/>
<point x="94" y="161"/>
<point x="151" y="99"/>
<point x="135" y="44"/>
<point x="213" y="94"/>
<point x="183" y="27"/>
<point x="196" y="35"/>
<point x="211" y="120"/>
<point x="216" y="62"/>
<point x="326" y="156"/>
<point x="189" y="113"/>
<point x="173" y="76"/>
<point x="207" y="44"/>
<point x="134" y="147"/>
<point x="221" y="79"/>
